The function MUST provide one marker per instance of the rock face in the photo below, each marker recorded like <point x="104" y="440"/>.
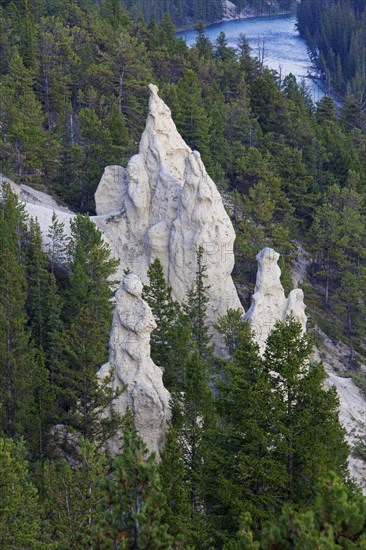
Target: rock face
<point x="40" y="206"/>
<point x="129" y="357"/>
<point x="269" y="303"/>
<point x="164" y="205"/>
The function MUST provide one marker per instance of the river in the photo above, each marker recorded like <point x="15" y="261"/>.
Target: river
<point x="284" y="50"/>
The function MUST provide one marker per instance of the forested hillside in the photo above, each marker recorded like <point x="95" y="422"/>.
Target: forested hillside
<point x="265" y="465"/>
<point x="182" y="12"/>
<point x="336" y="35"/>
<point x="189" y="12"/>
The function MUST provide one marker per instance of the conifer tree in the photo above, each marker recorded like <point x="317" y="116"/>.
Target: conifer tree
<point x="84" y="400"/>
<point x="90" y="267"/>
<point x="337" y="519"/>
<point x="71" y="495"/>
<point x="242" y="472"/>
<point x="57" y="245"/>
<point x="22" y="127"/>
<point x="197" y="301"/>
<point x="191" y="119"/>
<point x="312" y="438"/>
<point x="132" y="505"/>
<point x="159" y="298"/>
<point x="170" y="341"/>
<point x="20" y="522"/>
<point x="17" y="361"/>
<point x="178" y="509"/>
<point x="38" y="280"/>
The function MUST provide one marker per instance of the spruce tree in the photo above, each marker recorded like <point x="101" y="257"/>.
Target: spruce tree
<point x="159" y="298"/>
<point x="56" y="246"/>
<point x="84" y="400"/>
<point x="90" y="268"/>
<point x="242" y="472"/>
<point x="178" y="509"/>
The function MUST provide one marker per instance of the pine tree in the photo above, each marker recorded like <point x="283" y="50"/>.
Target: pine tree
<point x="70" y="495"/>
<point x="25" y="146"/>
<point x="192" y="121"/>
<point x="231" y="327"/>
<point x="170" y="341"/>
<point x="337" y="519"/>
<point x="132" y="505"/>
<point x="196" y="308"/>
<point x="242" y="472"/>
<point x="20" y="522"/>
<point x="90" y="267"/>
<point x="312" y="439"/>
<point x="56" y="245"/>
<point x="178" y="509"/>
<point x="84" y="400"/>
<point x="159" y="298"/>
<point x="17" y="361"/>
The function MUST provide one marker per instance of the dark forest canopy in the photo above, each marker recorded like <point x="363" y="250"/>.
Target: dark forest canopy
<point x="73" y="88"/>
<point x="336" y="35"/>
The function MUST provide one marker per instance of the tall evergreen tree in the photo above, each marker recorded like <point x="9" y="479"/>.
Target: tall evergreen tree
<point x="70" y="497"/>
<point x="337" y="520"/>
<point x="132" y="505"/>
<point x="20" y="521"/>
<point x="196" y="307"/>
<point x="243" y="474"/>
<point x="308" y="414"/>
<point x="17" y="359"/>
<point x="170" y="340"/>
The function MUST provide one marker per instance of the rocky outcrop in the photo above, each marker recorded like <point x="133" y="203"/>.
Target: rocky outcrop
<point x="164" y="205"/>
<point x="41" y="206"/>
<point x="133" y="368"/>
<point x="269" y="303"/>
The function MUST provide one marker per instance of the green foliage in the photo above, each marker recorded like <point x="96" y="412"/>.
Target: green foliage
<point x="337" y="520"/>
<point x="196" y="307"/>
<point x="274" y="417"/>
<point x="71" y="495"/>
<point x="20" y="522"/>
<point x="308" y="414"/>
<point x="83" y="399"/>
<point x="179" y="510"/>
<point x="336" y="36"/>
<point x="132" y="503"/>
<point x="170" y="340"/>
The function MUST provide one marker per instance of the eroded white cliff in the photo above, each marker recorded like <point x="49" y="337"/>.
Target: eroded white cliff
<point x="269" y="303"/>
<point x="134" y="372"/>
<point x="164" y="205"/>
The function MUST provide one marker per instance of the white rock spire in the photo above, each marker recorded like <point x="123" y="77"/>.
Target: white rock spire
<point x="269" y="303"/>
<point x="133" y="368"/>
<point x="164" y="205"/>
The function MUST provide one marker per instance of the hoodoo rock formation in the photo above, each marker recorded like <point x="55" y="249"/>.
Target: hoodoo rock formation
<point x="134" y="372"/>
<point x="269" y="303"/>
<point x="164" y="205"/>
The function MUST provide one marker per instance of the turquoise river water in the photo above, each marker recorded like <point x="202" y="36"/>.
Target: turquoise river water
<point x="284" y="50"/>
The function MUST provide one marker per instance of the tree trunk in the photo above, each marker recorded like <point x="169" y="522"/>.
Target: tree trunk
<point x="121" y="77"/>
<point x="350" y="329"/>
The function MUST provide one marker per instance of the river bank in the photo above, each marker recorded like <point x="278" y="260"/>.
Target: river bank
<point x="274" y="39"/>
<point x="231" y="14"/>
